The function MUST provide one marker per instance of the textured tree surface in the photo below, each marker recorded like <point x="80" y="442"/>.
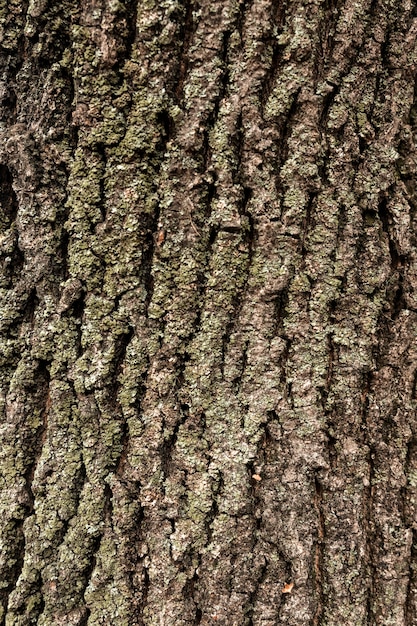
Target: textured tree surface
<point x="209" y="312"/>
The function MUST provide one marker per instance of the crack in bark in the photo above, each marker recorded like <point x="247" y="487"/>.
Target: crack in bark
<point x="42" y="378"/>
<point x="319" y="553"/>
<point x="168" y="444"/>
<point x="186" y="35"/>
<point x="33" y="451"/>
<point x="286" y="127"/>
<point x="411" y="596"/>
<point x="369" y="501"/>
<point x="278" y="17"/>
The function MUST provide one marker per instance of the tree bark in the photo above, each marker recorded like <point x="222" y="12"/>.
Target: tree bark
<point x="208" y="313"/>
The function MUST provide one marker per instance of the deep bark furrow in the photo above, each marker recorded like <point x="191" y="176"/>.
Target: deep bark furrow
<point x="186" y="36"/>
<point x="411" y="598"/>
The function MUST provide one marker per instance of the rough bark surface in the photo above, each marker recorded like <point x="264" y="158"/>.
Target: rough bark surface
<point x="208" y="312"/>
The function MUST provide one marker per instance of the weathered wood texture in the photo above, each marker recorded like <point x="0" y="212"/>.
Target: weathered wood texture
<point x="209" y="312"/>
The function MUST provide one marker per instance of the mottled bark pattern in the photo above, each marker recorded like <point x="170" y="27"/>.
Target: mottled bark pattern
<point x="209" y="313"/>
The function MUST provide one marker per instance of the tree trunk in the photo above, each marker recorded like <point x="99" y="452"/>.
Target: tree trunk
<point x="209" y="313"/>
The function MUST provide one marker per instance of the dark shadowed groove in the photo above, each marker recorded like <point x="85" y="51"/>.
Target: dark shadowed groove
<point x="84" y="618"/>
<point x="17" y="261"/>
<point x="73" y="125"/>
<point x="369" y="498"/>
<point x="189" y="592"/>
<point x="63" y="245"/>
<point x="398" y="262"/>
<point x="108" y="504"/>
<point x="245" y="6"/>
<point x="8" y="200"/>
<point x="78" y="307"/>
<point x="214" y="510"/>
<point x="199" y="307"/>
<point x="319" y="553"/>
<point x="278" y="17"/>
<point x="238" y="139"/>
<point x="206" y="154"/>
<point x="289" y="577"/>
<point x="81" y="481"/>
<point x="324" y="394"/>
<point x="341" y="225"/>
<point x="237" y="381"/>
<point x="237" y="304"/>
<point x="153" y="241"/>
<point x="69" y="79"/>
<point x="131" y="18"/>
<point x="120" y="348"/>
<point x="398" y="303"/>
<point x="408" y="515"/>
<point x="78" y="312"/>
<point x="198" y="617"/>
<point x="269" y="80"/>
<point x="51" y="48"/>
<point x="42" y="381"/>
<point x="286" y="127"/>
<point x="33" y="452"/>
<point x="255" y="489"/>
<point x="61" y="238"/>
<point x="145" y="592"/>
<point x="13" y="262"/>
<point x="185" y="35"/>
<point x="283" y="361"/>
<point x="327" y="32"/>
<point x="19" y="41"/>
<point x="414" y="387"/>
<point x="281" y="300"/>
<point x="8" y="104"/>
<point x="101" y="151"/>
<point x="223" y="82"/>
<point x="155" y="236"/>
<point x="30" y="306"/>
<point x="411" y="602"/>
<point x="88" y="571"/>
<point x="253" y="595"/>
<point x="250" y="239"/>
<point x="308" y="222"/>
<point x="124" y="442"/>
<point x="212" y="117"/>
<point x="386" y="220"/>
<point x="16" y="569"/>
<point x="328" y="101"/>
<point x="135" y="562"/>
<point x="168" y="445"/>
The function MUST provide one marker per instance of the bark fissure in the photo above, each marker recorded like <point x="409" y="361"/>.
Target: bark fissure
<point x="318" y="555"/>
